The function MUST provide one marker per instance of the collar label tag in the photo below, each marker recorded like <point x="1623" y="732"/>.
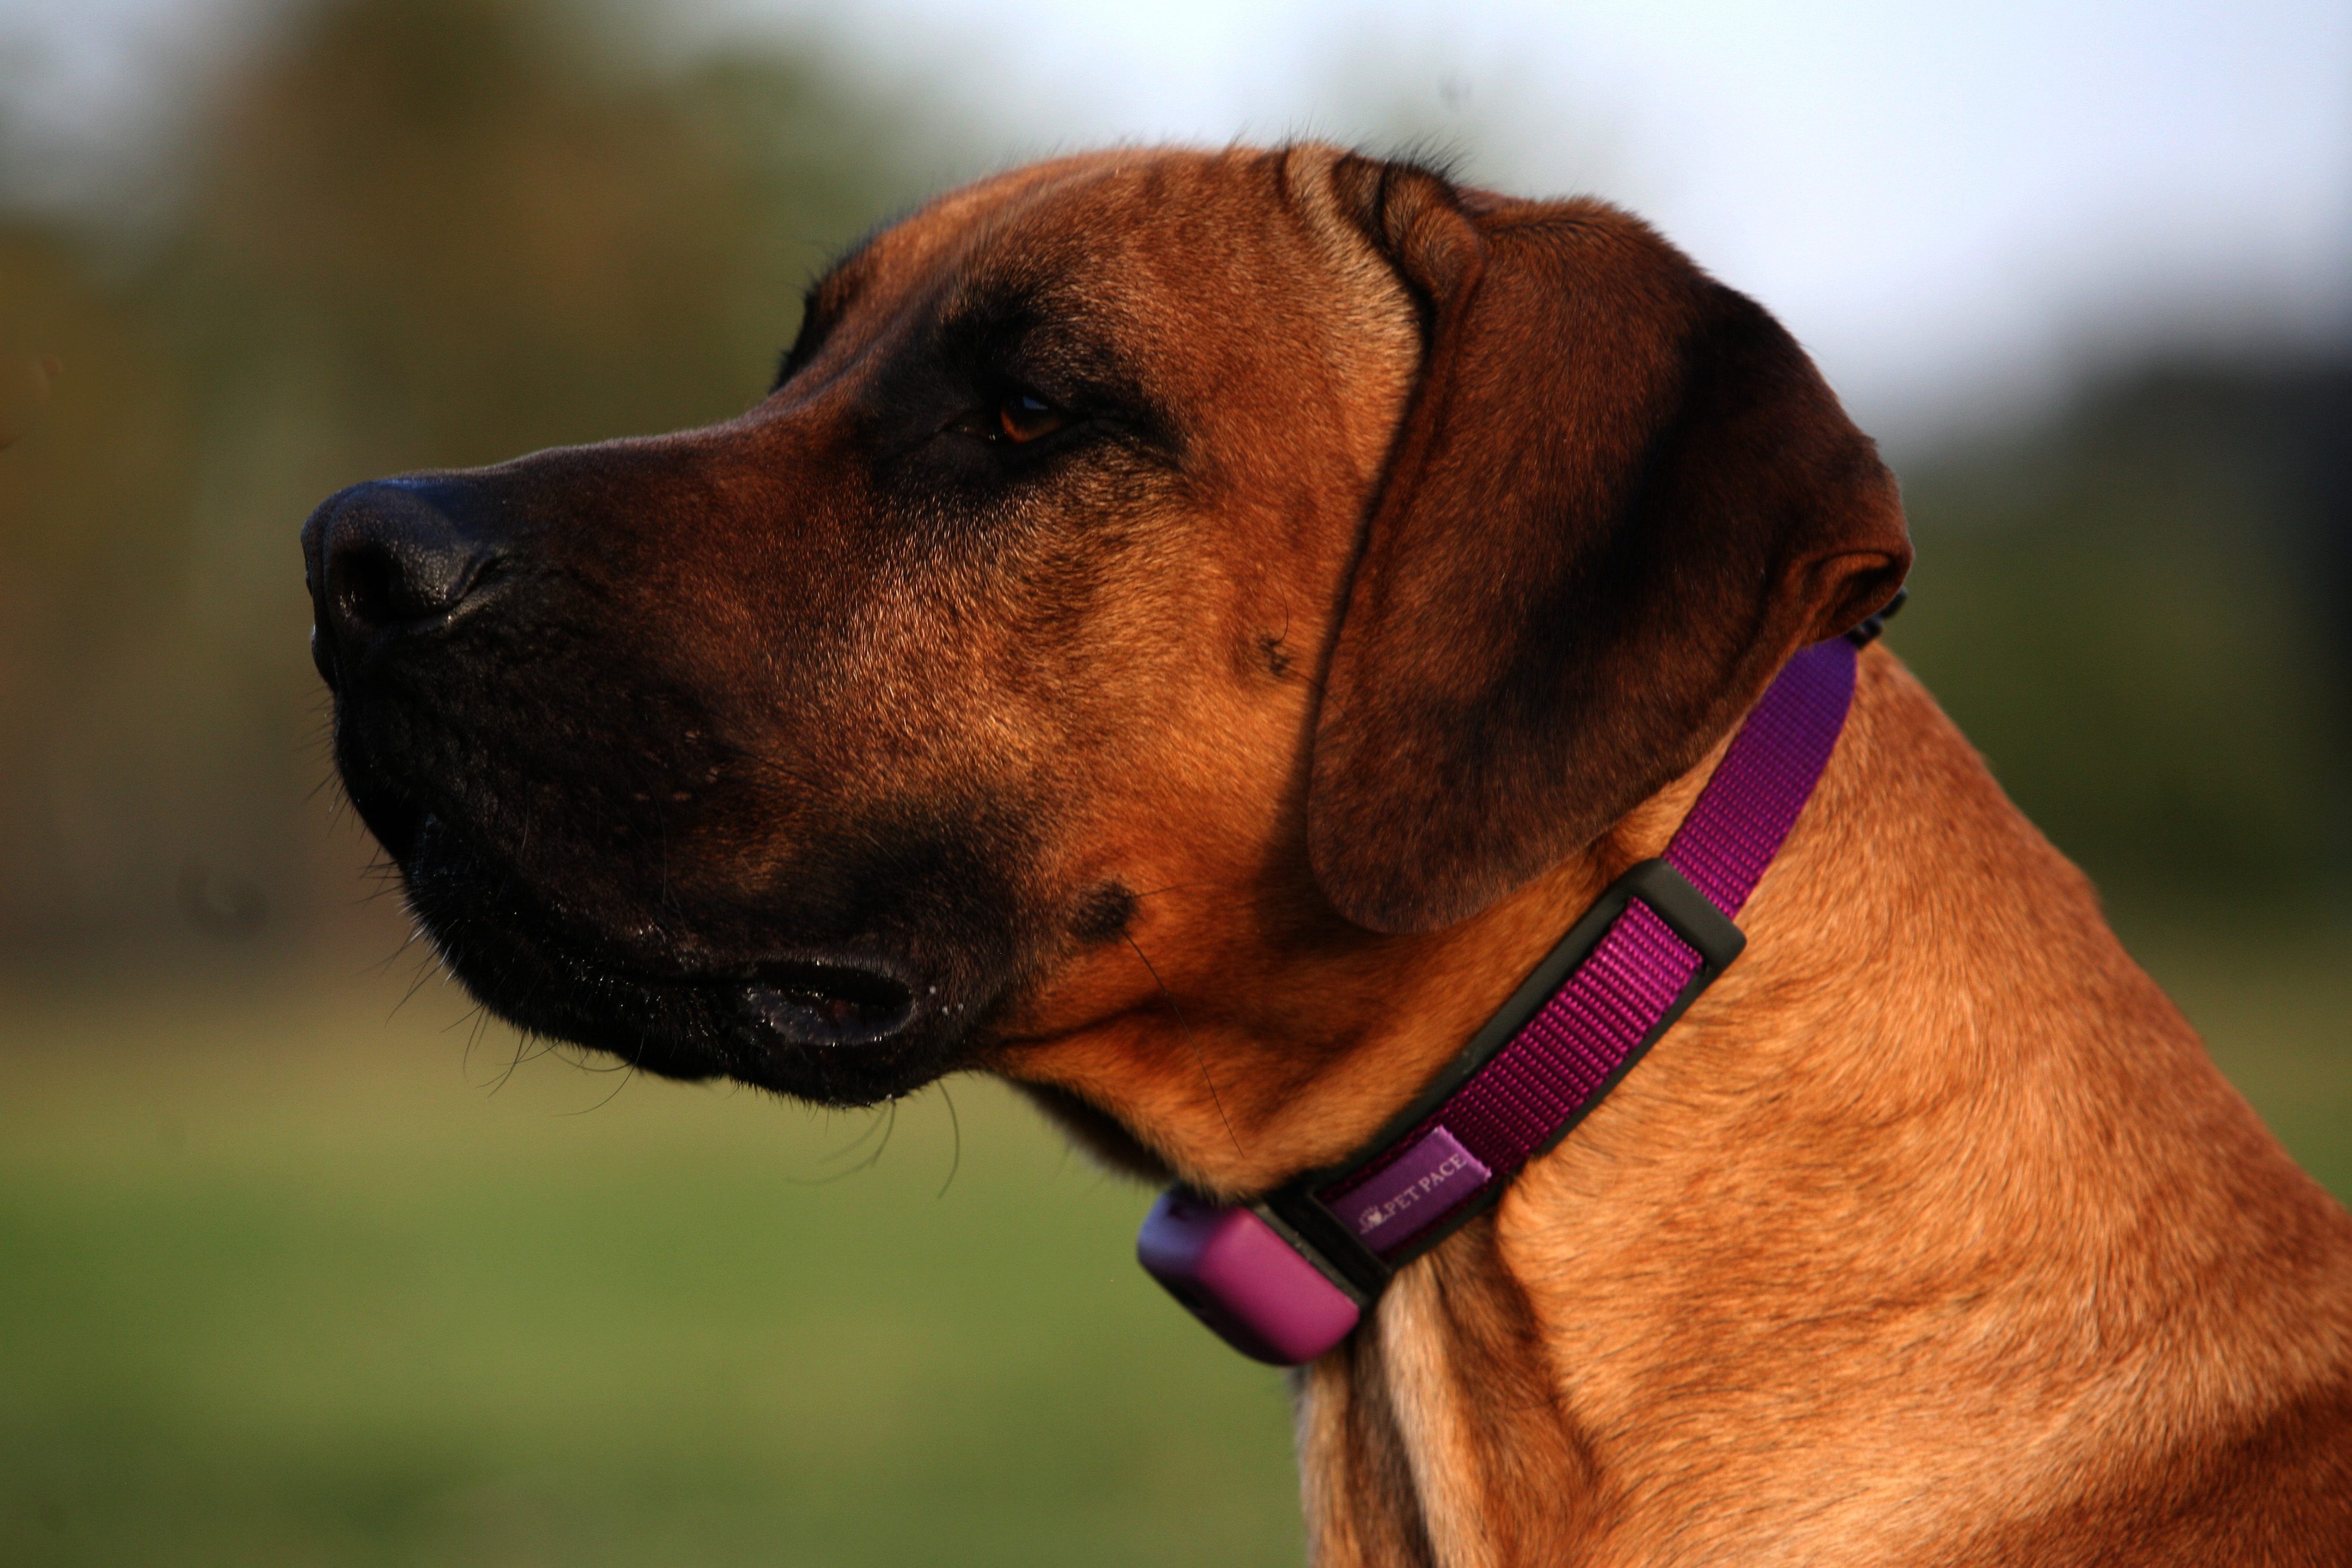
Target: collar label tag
<point x="1426" y="1182"/>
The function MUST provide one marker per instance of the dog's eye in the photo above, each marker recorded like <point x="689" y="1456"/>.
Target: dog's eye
<point x="1024" y="418"/>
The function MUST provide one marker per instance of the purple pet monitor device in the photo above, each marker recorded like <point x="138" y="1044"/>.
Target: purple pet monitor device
<point x="1244" y="1281"/>
<point x="1287" y="1278"/>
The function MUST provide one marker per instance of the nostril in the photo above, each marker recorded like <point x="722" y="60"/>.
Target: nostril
<point x="381" y="584"/>
<point x="366" y="586"/>
<point x="398" y="556"/>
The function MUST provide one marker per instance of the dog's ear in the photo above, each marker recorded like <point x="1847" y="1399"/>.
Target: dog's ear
<point x="1620" y="498"/>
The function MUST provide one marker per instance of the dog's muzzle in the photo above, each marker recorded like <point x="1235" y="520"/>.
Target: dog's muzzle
<point x="551" y="803"/>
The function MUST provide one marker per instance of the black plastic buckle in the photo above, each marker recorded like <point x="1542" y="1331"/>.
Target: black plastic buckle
<point x="1688" y="914"/>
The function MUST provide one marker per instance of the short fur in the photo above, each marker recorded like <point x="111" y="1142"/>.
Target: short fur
<point x="1393" y="562"/>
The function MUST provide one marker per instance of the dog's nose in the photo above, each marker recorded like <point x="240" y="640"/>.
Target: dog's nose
<point x="396" y="558"/>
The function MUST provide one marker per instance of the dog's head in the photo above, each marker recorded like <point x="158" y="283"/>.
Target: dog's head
<point x="1159" y="587"/>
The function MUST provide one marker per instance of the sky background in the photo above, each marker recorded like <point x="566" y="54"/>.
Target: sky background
<point x="1958" y="209"/>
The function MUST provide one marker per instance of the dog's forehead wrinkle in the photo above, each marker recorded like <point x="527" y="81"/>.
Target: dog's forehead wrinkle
<point x="1031" y="323"/>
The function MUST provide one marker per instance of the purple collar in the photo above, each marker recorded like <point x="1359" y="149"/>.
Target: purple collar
<point x="1287" y="1278"/>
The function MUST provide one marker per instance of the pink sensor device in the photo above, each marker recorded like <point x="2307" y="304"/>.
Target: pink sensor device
<point x="1238" y="1276"/>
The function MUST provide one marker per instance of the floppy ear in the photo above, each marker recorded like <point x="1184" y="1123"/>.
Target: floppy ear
<point x="1620" y="498"/>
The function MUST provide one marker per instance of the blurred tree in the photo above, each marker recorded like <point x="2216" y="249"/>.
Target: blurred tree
<point x="2140" y="613"/>
<point x="407" y="234"/>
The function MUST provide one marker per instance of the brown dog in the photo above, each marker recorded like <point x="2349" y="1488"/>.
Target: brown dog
<point x="1186" y="632"/>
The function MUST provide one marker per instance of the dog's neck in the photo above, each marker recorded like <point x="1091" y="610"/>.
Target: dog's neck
<point x="1836" y="1248"/>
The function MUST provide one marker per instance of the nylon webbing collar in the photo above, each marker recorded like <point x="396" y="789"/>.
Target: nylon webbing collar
<point x="1287" y="1278"/>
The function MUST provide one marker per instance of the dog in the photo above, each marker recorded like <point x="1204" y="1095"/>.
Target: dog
<point x="1186" y="632"/>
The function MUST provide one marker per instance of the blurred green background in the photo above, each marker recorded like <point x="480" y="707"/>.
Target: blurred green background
<point x="302" y="1264"/>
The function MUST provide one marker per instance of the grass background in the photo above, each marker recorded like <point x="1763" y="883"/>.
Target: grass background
<point x="284" y="1279"/>
<point x="284" y="1283"/>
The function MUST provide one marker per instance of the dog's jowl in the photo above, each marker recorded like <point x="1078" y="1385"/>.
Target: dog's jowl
<point x="1189" y="632"/>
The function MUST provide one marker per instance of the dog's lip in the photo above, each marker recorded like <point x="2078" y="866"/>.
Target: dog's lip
<point x="847" y="1021"/>
<point x="795" y="1000"/>
<point x="806" y="995"/>
<point x="826" y="1001"/>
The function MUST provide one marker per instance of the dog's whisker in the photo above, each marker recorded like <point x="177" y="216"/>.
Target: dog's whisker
<point x="628" y="1070"/>
<point x="415" y="986"/>
<point x="873" y="1124"/>
<point x="1199" y="1059"/>
<point x="525" y="1040"/>
<point x="955" y="1125"/>
<point x="889" y="1128"/>
<point x="389" y="959"/>
<point x="481" y="1020"/>
<point x="885" y="1118"/>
